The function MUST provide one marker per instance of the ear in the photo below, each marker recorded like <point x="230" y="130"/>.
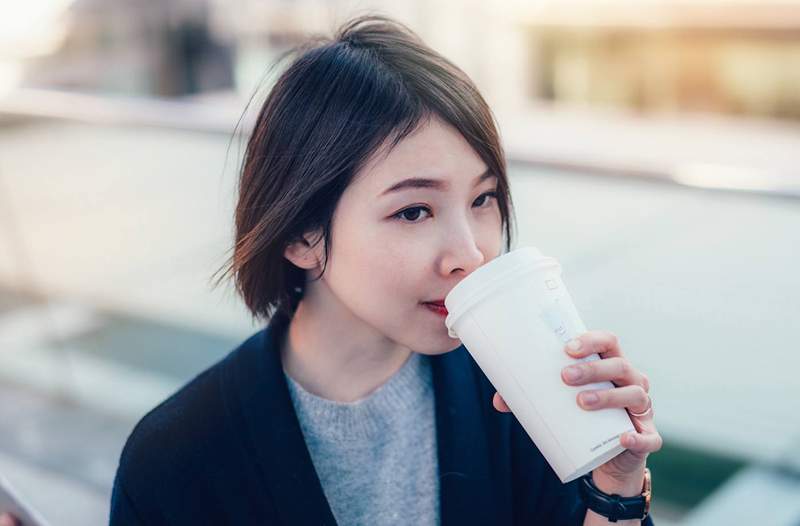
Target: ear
<point x="306" y="252"/>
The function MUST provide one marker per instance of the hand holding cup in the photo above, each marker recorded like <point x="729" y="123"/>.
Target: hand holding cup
<point x="631" y="392"/>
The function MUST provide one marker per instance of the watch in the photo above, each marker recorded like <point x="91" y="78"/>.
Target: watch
<point x="614" y="507"/>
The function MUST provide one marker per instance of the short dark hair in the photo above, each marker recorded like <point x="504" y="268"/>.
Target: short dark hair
<point x="335" y="105"/>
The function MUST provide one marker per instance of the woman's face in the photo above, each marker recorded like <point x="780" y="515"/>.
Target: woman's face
<point x="397" y="244"/>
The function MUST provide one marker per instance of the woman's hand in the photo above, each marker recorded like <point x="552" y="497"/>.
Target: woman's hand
<point x="6" y="519"/>
<point x="624" y="473"/>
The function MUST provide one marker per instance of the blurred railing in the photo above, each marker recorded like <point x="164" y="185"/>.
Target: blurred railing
<point x="702" y="151"/>
<point x="207" y="116"/>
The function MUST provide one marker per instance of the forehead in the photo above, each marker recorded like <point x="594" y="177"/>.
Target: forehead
<point x="434" y="150"/>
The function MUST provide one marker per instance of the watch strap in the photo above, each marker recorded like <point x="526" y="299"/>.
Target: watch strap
<point x="615" y="507"/>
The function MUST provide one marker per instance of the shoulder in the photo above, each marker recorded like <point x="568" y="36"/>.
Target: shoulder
<point x="172" y="432"/>
<point x="194" y="422"/>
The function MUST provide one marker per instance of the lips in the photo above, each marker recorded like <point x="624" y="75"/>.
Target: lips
<point x="437" y="306"/>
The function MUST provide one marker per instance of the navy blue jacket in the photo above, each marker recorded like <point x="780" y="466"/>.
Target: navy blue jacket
<point x="227" y="449"/>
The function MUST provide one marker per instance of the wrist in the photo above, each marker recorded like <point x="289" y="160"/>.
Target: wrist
<point x="609" y="498"/>
<point x="630" y="486"/>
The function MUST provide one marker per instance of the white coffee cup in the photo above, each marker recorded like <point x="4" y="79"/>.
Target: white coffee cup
<point x="514" y="316"/>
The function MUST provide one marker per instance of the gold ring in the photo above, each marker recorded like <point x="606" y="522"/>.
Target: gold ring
<point x="646" y="411"/>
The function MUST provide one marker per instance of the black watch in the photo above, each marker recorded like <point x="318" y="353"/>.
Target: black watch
<point x="614" y="507"/>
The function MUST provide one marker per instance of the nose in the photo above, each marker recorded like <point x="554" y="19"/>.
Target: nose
<point x="462" y="253"/>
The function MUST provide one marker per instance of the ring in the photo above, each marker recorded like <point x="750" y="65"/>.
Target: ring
<point x="646" y="411"/>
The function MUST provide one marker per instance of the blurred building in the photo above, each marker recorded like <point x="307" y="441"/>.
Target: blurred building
<point x="707" y="56"/>
<point x="486" y="42"/>
<point x="139" y="47"/>
<point x="729" y="57"/>
<point x="732" y="57"/>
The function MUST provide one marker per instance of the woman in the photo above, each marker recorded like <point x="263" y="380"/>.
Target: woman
<point x="373" y="182"/>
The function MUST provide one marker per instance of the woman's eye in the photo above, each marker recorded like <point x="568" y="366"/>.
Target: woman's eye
<point x="412" y="214"/>
<point x="488" y="196"/>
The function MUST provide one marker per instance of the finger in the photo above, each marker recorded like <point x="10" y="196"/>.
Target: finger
<point x="642" y="443"/>
<point x="644" y="425"/>
<point x="6" y="519"/>
<point x="617" y="369"/>
<point x="500" y="404"/>
<point x="645" y="383"/>
<point x="631" y="397"/>
<point x="604" y="343"/>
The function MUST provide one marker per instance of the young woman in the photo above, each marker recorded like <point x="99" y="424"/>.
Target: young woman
<point x="374" y="181"/>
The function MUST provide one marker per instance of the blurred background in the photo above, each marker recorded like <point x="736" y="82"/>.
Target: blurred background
<point x="654" y="149"/>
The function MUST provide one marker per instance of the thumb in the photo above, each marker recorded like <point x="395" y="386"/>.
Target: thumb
<point x="500" y="404"/>
<point x="6" y="519"/>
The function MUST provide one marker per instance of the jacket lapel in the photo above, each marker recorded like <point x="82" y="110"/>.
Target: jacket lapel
<point x="465" y="483"/>
<point x="274" y="430"/>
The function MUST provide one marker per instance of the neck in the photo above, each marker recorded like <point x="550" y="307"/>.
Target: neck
<point x="334" y="355"/>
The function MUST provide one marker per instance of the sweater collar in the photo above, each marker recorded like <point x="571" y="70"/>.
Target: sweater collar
<point x="403" y="393"/>
<point x="259" y="388"/>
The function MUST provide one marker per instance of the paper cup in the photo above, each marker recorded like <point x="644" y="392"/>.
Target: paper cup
<point x="514" y="316"/>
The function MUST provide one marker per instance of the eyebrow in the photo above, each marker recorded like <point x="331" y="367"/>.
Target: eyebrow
<point x="434" y="184"/>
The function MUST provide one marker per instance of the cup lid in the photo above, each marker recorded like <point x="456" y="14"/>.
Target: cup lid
<point x="487" y="276"/>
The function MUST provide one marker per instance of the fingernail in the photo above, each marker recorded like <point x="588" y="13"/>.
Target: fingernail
<point x="589" y="398"/>
<point x="574" y="345"/>
<point x="573" y="372"/>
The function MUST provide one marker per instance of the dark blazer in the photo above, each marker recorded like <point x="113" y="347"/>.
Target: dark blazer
<point x="227" y="449"/>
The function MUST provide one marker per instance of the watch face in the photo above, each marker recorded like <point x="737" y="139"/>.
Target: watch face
<point x="647" y="491"/>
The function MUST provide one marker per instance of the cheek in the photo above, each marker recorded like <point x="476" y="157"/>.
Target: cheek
<point x="373" y="268"/>
<point x="492" y="234"/>
<point x="392" y="269"/>
<point x="390" y="255"/>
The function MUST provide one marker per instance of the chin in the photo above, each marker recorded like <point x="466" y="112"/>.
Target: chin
<point x="433" y="349"/>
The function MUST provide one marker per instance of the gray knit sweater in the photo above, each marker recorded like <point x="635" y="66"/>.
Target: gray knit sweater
<point x="376" y="457"/>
